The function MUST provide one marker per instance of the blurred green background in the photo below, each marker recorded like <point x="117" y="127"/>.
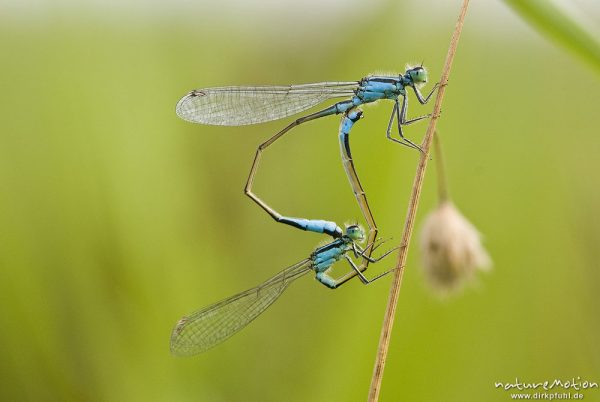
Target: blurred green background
<point x="117" y="217"/>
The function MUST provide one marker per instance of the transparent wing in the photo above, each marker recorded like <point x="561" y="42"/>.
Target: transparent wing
<point x="237" y="106"/>
<point x="212" y="325"/>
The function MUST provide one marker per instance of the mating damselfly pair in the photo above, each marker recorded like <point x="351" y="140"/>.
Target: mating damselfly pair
<point x="234" y="106"/>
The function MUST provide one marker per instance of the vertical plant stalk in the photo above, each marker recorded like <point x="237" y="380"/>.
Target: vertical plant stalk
<point x="440" y="169"/>
<point x="388" y="321"/>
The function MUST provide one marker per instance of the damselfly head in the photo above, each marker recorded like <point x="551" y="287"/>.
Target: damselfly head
<point x="417" y="75"/>
<point x="355" y="233"/>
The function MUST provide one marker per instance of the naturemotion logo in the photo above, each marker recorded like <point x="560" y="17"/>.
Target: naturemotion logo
<point x="547" y="389"/>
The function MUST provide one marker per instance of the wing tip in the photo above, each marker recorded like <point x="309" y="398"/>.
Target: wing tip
<point x="178" y="346"/>
<point x="183" y="110"/>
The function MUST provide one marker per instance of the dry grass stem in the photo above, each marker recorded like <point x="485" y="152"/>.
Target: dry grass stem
<point x="390" y="312"/>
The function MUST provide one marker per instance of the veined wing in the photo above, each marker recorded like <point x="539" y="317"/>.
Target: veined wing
<point x="213" y="324"/>
<point x="237" y="106"/>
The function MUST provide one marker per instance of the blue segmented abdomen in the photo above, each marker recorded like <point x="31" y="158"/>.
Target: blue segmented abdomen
<point x="313" y="225"/>
<point x="326" y="280"/>
<point x="349" y="120"/>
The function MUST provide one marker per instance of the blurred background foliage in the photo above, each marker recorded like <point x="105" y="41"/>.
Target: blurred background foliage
<point x="117" y="218"/>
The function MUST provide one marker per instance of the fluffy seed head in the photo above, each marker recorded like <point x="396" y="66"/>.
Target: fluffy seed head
<point x="451" y="249"/>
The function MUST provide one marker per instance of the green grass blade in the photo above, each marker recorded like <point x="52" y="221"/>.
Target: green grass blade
<point x="553" y="23"/>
